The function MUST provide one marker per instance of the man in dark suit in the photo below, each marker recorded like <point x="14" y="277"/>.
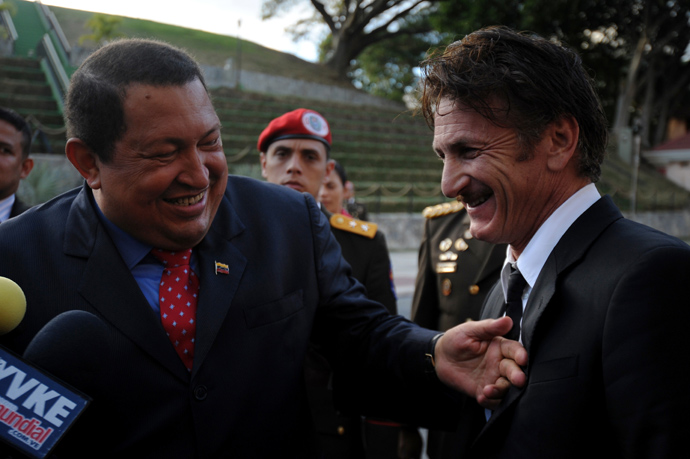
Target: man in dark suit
<point x="295" y="152"/>
<point x="598" y="301"/>
<point x="455" y="273"/>
<point x="263" y="275"/>
<point x="15" y="163"/>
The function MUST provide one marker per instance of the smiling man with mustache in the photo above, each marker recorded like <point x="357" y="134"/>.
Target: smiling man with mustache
<point x="599" y="302"/>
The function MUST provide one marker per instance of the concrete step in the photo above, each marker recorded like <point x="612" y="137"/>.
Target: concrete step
<point x="22" y="73"/>
<point x="9" y="85"/>
<point x="28" y="102"/>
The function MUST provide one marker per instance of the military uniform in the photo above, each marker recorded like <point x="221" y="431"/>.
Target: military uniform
<point x="365" y="249"/>
<point x="357" y="210"/>
<point x="455" y="274"/>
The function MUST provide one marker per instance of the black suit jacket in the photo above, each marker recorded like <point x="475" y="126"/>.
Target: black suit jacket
<point x="456" y="272"/>
<point x="18" y="207"/>
<point x="605" y="328"/>
<point x="245" y="396"/>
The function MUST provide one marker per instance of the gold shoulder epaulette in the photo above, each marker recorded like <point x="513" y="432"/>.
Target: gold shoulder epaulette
<point x="353" y="225"/>
<point x="440" y="210"/>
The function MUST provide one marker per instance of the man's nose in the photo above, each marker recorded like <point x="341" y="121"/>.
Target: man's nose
<point x="195" y="172"/>
<point x="454" y="179"/>
<point x="294" y="164"/>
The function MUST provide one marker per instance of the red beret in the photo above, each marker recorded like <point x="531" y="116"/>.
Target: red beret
<point x="297" y="124"/>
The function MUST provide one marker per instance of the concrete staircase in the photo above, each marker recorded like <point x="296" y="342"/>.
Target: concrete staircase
<point x="386" y="152"/>
<point x="24" y="88"/>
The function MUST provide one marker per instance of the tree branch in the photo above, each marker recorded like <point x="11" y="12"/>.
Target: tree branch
<point x="321" y="8"/>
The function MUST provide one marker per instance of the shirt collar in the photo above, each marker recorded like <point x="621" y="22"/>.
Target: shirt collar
<point x="131" y="249"/>
<point x="537" y="251"/>
<point x="6" y="207"/>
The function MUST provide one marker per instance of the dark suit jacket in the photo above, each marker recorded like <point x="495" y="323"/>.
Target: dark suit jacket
<point x="341" y="435"/>
<point x="18" y="208"/>
<point x="605" y="328"/>
<point x="443" y="300"/>
<point x="245" y="396"/>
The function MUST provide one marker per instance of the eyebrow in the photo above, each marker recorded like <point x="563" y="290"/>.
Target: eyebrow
<point x="459" y="145"/>
<point x="179" y="142"/>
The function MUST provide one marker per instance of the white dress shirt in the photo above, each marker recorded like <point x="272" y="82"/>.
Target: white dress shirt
<point x="532" y="259"/>
<point x="6" y="207"/>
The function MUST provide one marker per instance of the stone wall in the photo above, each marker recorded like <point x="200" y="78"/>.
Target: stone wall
<point x="217" y="77"/>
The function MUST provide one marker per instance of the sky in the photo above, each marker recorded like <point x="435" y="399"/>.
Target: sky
<point x="218" y="16"/>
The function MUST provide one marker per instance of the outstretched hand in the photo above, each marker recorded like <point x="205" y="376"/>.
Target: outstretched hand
<point x="474" y="358"/>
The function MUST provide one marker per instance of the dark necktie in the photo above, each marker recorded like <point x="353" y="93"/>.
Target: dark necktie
<point x="516" y="286"/>
<point x="177" y="297"/>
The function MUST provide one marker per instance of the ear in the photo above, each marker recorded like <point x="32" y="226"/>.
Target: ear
<point x="262" y="160"/>
<point x="85" y="161"/>
<point x="27" y="166"/>
<point x="330" y="165"/>
<point x="561" y="139"/>
<point x="348" y="190"/>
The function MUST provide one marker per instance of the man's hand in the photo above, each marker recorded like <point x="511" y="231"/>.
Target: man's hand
<point x="475" y="359"/>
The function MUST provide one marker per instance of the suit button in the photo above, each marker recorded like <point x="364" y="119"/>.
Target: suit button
<point x="200" y="392"/>
<point x="474" y="289"/>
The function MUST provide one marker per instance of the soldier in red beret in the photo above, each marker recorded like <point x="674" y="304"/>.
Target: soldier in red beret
<point x="295" y="152"/>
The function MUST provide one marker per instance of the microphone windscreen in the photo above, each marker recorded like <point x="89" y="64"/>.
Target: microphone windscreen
<point x="73" y="346"/>
<point x="12" y="305"/>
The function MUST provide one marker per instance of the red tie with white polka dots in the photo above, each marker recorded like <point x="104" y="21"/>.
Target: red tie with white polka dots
<point x="177" y="296"/>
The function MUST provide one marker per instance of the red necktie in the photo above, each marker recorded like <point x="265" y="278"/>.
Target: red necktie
<point x="177" y="296"/>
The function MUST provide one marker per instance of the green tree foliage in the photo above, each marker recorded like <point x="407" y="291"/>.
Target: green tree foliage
<point x="103" y="28"/>
<point x="356" y="25"/>
<point x="637" y="49"/>
<point x="12" y="10"/>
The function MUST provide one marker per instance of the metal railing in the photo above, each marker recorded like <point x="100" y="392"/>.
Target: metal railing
<point x="52" y="66"/>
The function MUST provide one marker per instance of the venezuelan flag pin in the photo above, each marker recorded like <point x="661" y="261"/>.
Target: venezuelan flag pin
<point x="222" y="268"/>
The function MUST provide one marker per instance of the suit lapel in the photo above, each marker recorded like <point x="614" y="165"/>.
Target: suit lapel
<point x="108" y="285"/>
<point x="217" y="290"/>
<point x="572" y="246"/>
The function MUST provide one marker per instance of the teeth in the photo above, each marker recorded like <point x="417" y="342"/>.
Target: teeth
<point x="479" y="200"/>
<point x="188" y="201"/>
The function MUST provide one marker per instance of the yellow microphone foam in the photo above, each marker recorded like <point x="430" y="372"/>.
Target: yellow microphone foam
<point x="12" y="305"/>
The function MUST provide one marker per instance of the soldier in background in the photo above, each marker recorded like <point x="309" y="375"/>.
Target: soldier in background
<point x="455" y="274"/>
<point x="15" y="163"/>
<point x="295" y="152"/>
<point x="354" y="208"/>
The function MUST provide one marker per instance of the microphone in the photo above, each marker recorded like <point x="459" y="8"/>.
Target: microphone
<point x="73" y="347"/>
<point x="12" y="305"/>
<point x="37" y="408"/>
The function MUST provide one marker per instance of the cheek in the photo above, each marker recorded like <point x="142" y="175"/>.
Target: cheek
<point x="218" y="165"/>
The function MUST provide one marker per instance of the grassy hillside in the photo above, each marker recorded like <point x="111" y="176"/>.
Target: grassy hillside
<point x="207" y="48"/>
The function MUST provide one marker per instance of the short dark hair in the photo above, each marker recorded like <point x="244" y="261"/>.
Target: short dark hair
<point x="15" y="119"/>
<point x="340" y="170"/>
<point x="94" y="110"/>
<point x="535" y="81"/>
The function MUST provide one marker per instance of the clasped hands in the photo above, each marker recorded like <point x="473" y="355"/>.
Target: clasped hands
<point x="475" y="359"/>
